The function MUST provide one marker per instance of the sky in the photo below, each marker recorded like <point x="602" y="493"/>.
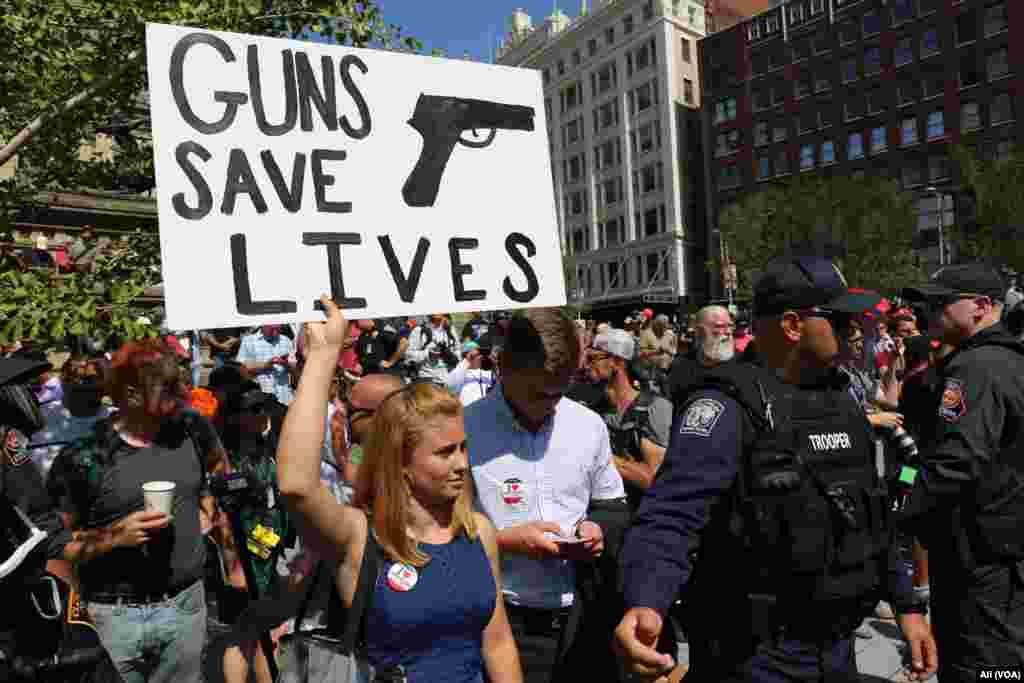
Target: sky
<point x="458" y="26"/>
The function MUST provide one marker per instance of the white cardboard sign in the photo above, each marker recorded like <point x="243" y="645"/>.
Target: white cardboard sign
<point x="398" y="184"/>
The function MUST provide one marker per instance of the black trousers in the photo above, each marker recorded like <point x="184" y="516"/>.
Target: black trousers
<point x="978" y="619"/>
<point x="538" y="636"/>
<point x="783" y="659"/>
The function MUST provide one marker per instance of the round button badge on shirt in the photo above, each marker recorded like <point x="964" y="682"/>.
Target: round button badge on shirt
<point x="402" y="577"/>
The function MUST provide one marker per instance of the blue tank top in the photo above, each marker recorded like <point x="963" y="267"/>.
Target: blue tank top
<point x="435" y="630"/>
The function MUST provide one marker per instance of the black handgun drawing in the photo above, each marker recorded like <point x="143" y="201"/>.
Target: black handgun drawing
<point x="442" y="121"/>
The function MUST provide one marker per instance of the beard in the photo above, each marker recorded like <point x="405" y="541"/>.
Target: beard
<point x="719" y="349"/>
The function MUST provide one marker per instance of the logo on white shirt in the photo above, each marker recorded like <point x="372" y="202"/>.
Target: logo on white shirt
<point x="513" y="494"/>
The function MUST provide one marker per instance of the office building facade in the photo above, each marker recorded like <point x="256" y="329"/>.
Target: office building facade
<point x="850" y="87"/>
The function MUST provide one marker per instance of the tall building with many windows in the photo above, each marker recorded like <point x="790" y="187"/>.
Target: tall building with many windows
<point x="853" y="87"/>
<point x="622" y="95"/>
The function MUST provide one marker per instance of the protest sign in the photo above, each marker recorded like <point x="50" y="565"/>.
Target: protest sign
<point x="399" y="184"/>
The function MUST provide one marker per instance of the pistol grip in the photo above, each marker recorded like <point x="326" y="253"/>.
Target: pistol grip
<point x="423" y="183"/>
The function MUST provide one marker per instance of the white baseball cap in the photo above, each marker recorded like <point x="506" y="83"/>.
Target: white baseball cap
<point x="618" y="343"/>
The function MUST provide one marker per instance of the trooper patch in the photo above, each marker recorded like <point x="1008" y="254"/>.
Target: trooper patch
<point x="954" y="402"/>
<point x="701" y="416"/>
<point x="15" y="447"/>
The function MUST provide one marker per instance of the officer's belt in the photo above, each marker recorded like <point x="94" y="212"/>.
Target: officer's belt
<point x="130" y="595"/>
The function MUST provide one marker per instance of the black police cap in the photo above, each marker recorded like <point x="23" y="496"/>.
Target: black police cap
<point x="803" y="282"/>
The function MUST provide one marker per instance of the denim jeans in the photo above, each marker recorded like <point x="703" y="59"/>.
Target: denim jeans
<point x="156" y="643"/>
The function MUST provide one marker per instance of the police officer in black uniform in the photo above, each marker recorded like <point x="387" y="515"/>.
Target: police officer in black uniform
<point x="39" y="640"/>
<point x="769" y="507"/>
<point x="967" y="504"/>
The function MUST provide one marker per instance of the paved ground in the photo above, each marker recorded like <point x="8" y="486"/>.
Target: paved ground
<point x="879" y="658"/>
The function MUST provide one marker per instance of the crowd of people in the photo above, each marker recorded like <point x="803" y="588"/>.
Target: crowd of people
<point x="546" y="496"/>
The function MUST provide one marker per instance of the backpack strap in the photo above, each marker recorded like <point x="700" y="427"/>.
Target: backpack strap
<point x="348" y="624"/>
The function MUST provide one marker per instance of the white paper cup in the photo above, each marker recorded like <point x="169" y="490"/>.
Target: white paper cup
<point x="159" y="496"/>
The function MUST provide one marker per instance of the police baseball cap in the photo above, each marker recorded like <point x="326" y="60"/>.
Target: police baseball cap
<point x="968" y="279"/>
<point x="794" y="283"/>
<point x="618" y="343"/>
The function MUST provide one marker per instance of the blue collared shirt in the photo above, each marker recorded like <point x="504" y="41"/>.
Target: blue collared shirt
<point x="551" y="475"/>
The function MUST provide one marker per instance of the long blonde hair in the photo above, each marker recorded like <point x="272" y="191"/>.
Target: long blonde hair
<point x="381" y="489"/>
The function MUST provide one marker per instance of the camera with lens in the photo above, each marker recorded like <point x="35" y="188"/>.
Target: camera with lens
<point x="448" y="356"/>
<point x="237" y="487"/>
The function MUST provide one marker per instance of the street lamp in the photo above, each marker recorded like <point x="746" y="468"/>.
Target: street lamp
<point x="939" y="212"/>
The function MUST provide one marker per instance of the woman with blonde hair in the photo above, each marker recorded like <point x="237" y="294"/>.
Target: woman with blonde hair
<point x="435" y="610"/>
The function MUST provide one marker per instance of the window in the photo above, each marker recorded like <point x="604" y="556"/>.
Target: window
<point x="849" y="32"/>
<point x="796" y="13"/>
<point x="780" y="132"/>
<point x="754" y="30"/>
<point x="879" y="143"/>
<point x="725" y="110"/>
<point x="688" y="91"/>
<point x="644" y="57"/>
<point x="938" y="167"/>
<point x="872" y="60"/>
<point x="592" y="47"/>
<point x="615" y="276"/>
<point x="908" y="131"/>
<point x="821" y="44"/>
<point x="822" y="82"/>
<point x="609" y="35"/>
<point x="764" y="167"/>
<point x="561" y="67"/>
<point x="627" y="24"/>
<point x="579" y="242"/>
<point x="876" y="101"/>
<point x="728" y="177"/>
<point x="872" y="23"/>
<point x="648" y="137"/>
<point x="807" y="157"/>
<point x="612" y="190"/>
<point x="933" y="85"/>
<point x="998" y="64"/>
<point x="648" y="10"/>
<point x="607" y="78"/>
<point x="969" y="75"/>
<point x="966" y="28"/>
<point x="802" y="85"/>
<point x="646" y="96"/>
<point x="801" y="49"/>
<point x="849" y="69"/>
<point x="608" y="114"/>
<point x="904" y="52"/>
<point x="906" y="93"/>
<point x="853" y="109"/>
<point x="686" y="50"/>
<point x="577" y="202"/>
<point x="930" y="42"/>
<point x="727" y="143"/>
<point x="817" y="7"/>
<point x="652" y="177"/>
<point x="902" y="10"/>
<point x="576" y="58"/>
<point x="806" y="122"/>
<point x="547" y="76"/>
<point x="781" y="162"/>
<point x="996" y="19"/>
<point x="970" y="117"/>
<point x="572" y="96"/>
<point x="653" y="267"/>
<point x="761" y="133"/>
<point x="1002" y="108"/>
<point x="828" y="153"/>
<point x="574" y="131"/>
<point x="910" y="173"/>
<point x="771" y="24"/>
<point x="936" y="125"/>
<point x="776" y="60"/>
<point x="855" y="146"/>
<point x="762" y="99"/>
<point x="824" y="118"/>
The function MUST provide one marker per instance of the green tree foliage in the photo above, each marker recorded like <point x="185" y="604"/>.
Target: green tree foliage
<point x="997" y="233"/>
<point x="68" y="66"/>
<point x="866" y="225"/>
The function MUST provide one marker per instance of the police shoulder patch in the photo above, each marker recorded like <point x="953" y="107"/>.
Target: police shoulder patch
<point x="954" y="401"/>
<point x="701" y="416"/>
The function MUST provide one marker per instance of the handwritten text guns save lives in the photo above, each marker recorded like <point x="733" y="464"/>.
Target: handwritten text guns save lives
<point x="441" y="121"/>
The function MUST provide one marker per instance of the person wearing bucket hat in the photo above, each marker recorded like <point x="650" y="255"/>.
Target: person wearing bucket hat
<point x="771" y="471"/>
<point x="967" y="501"/>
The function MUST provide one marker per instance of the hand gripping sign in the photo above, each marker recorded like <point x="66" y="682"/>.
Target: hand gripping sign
<point x="286" y="169"/>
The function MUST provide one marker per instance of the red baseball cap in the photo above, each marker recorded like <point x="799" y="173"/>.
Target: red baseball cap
<point x="648" y="313"/>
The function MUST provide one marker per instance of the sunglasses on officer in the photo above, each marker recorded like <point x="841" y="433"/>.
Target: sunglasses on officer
<point x="937" y="303"/>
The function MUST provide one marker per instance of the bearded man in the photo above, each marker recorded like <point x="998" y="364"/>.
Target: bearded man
<point x="714" y="344"/>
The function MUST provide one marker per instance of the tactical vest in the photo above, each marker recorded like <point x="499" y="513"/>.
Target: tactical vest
<point x="808" y="514"/>
<point x="991" y="515"/>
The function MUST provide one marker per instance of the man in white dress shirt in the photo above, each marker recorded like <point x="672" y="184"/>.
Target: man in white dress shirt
<point x="542" y="465"/>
